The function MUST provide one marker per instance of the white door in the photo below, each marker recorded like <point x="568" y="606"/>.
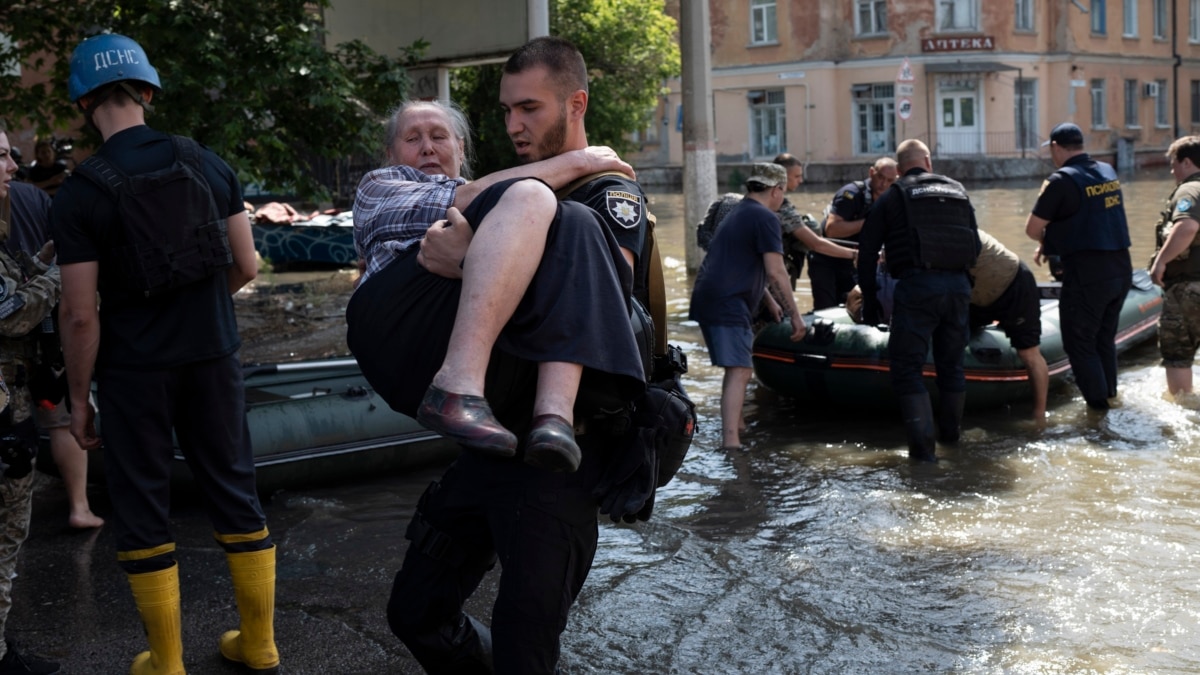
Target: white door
<point x="959" y="129"/>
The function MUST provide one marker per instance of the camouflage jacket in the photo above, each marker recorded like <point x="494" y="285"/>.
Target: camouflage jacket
<point x="26" y="299"/>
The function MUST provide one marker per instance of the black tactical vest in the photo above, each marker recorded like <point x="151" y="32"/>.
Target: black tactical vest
<point x="174" y="233"/>
<point x="939" y="222"/>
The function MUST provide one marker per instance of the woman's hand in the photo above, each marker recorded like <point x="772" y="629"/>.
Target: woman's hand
<point x="444" y="247"/>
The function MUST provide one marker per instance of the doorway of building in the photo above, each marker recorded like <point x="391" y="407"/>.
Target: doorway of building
<point x="959" y="129"/>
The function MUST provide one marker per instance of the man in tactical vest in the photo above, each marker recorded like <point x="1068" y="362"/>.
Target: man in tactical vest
<point x="26" y="299"/>
<point x="1080" y="217"/>
<point x="833" y="278"/>
<point x="1176" y="266"/>
<point x="156" y="225"/>
<point x="927" y="224"/>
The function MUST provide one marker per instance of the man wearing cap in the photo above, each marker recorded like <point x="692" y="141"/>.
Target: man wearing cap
<point x="800" y="232"/>
<point x="745" y="257"/>
<point x="928" y="226"/>
<point x="1176" y="267"/>
<point x="1080" y="217"/>
<point x="163" y="347"/>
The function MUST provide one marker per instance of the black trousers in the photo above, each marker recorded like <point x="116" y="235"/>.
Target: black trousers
<point x="832" y="279"/>
<point x="1089" y="315"/>
<point x="540" y="526"/>
<point x="204" y="404"/>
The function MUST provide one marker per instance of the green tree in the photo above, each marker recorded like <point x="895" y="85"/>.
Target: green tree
<point x="252" y="80"/>
<point x="630" y="49"/>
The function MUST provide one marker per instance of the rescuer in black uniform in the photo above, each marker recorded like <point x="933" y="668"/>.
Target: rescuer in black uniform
<point x="156" y="224"/>
<point x="927" y="224"/>
<point x="1080" y="217"/>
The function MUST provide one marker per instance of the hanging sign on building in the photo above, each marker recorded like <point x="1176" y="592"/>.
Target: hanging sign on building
<point x="958" y="44"/>
<point x="904" y="79"/>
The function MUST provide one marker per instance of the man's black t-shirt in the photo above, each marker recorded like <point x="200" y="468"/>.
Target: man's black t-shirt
<point x="193" y="323"/>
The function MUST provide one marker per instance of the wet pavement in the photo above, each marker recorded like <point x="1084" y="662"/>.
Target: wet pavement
<point x="339" y="548"/>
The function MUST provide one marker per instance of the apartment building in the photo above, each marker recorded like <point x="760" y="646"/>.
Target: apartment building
<point x="842" y="81"/>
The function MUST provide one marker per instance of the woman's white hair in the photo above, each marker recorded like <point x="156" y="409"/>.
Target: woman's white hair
<point x="458" y="123"/>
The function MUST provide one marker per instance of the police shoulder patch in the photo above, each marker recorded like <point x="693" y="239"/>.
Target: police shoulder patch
<point x="1183" y="205"/>
<point x="624" y="207"/>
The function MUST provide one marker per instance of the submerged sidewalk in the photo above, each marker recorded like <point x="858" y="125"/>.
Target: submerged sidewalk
<point x="339" y="548"/>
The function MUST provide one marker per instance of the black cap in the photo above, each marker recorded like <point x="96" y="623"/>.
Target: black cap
<point x="1065" y="134"/>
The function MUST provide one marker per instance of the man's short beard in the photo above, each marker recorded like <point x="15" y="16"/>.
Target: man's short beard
<point x="552" y="143"/>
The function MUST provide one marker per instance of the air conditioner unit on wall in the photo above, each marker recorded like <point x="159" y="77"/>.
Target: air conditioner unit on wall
<point x="1150" y="90"/>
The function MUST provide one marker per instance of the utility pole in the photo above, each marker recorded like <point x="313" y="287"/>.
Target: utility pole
<point x="699" y="150"/>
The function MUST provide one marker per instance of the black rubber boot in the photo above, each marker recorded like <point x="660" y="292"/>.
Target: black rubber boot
<point x="917" y="413"/>
<point x="950" y="412"/>
<point x="462" y="648"/>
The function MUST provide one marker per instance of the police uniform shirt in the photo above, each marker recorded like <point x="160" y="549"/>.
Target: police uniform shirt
<point x="193" y="323"/>
<point x="621" y="204"/>
<point x="1059" y="200"/>
<point x="851" y="203"/>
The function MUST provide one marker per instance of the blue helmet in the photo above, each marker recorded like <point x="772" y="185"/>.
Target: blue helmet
<point x="103" y="59"/>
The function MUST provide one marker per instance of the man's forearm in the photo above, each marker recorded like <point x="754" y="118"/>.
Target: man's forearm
<point x="780" y="287"/>
<point x="1179" y="239"/>
<point x="557" y="172"/>
<point x="837" y="228"/>
<point x="80" y="337"/>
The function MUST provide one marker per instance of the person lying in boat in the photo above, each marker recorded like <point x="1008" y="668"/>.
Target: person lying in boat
<point x="1003" y="291"/>
<point x="541" y="281"/>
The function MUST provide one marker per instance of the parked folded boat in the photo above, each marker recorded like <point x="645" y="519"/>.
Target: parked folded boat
<point x="318" y="422"/>
<point x="840" y="363"/>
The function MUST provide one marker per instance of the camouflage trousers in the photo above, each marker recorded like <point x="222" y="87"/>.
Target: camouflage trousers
<point x="14" y="527"/>
<point x="1179" y="325"/>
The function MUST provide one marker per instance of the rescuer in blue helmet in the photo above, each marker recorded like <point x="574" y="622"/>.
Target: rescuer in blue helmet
<point x="156" y="224"/>
<point x="110" y="59"/>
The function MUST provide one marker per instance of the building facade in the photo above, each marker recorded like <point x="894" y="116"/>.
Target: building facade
<point x="840" y="82"/>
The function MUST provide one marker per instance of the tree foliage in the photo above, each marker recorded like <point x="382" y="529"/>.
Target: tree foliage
<point x="630" y="50"/>
<point x="252" y="80"/>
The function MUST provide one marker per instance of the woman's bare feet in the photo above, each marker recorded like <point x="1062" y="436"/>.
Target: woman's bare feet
<point x="84" y="520"/>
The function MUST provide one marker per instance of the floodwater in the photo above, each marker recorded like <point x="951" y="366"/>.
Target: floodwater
<point x="1069" y="549"/>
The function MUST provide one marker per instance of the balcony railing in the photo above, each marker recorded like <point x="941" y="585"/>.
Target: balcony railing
<point x="982" y="144"/>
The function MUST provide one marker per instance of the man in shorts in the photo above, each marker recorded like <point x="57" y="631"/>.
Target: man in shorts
<point x="745" y="257"/>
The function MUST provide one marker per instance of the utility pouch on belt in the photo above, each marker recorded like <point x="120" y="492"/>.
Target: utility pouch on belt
<point x="18" y="446"/>
<point x="666" y="405"/>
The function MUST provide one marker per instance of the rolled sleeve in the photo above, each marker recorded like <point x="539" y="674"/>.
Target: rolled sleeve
<point x="393" y="207"/>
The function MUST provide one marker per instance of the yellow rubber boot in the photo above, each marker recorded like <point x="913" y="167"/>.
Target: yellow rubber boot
<point x="254" y="587"/>
<point x="157" y="597"/>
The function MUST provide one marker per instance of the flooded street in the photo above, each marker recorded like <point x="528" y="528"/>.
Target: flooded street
<point x="1069" y="549"/>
